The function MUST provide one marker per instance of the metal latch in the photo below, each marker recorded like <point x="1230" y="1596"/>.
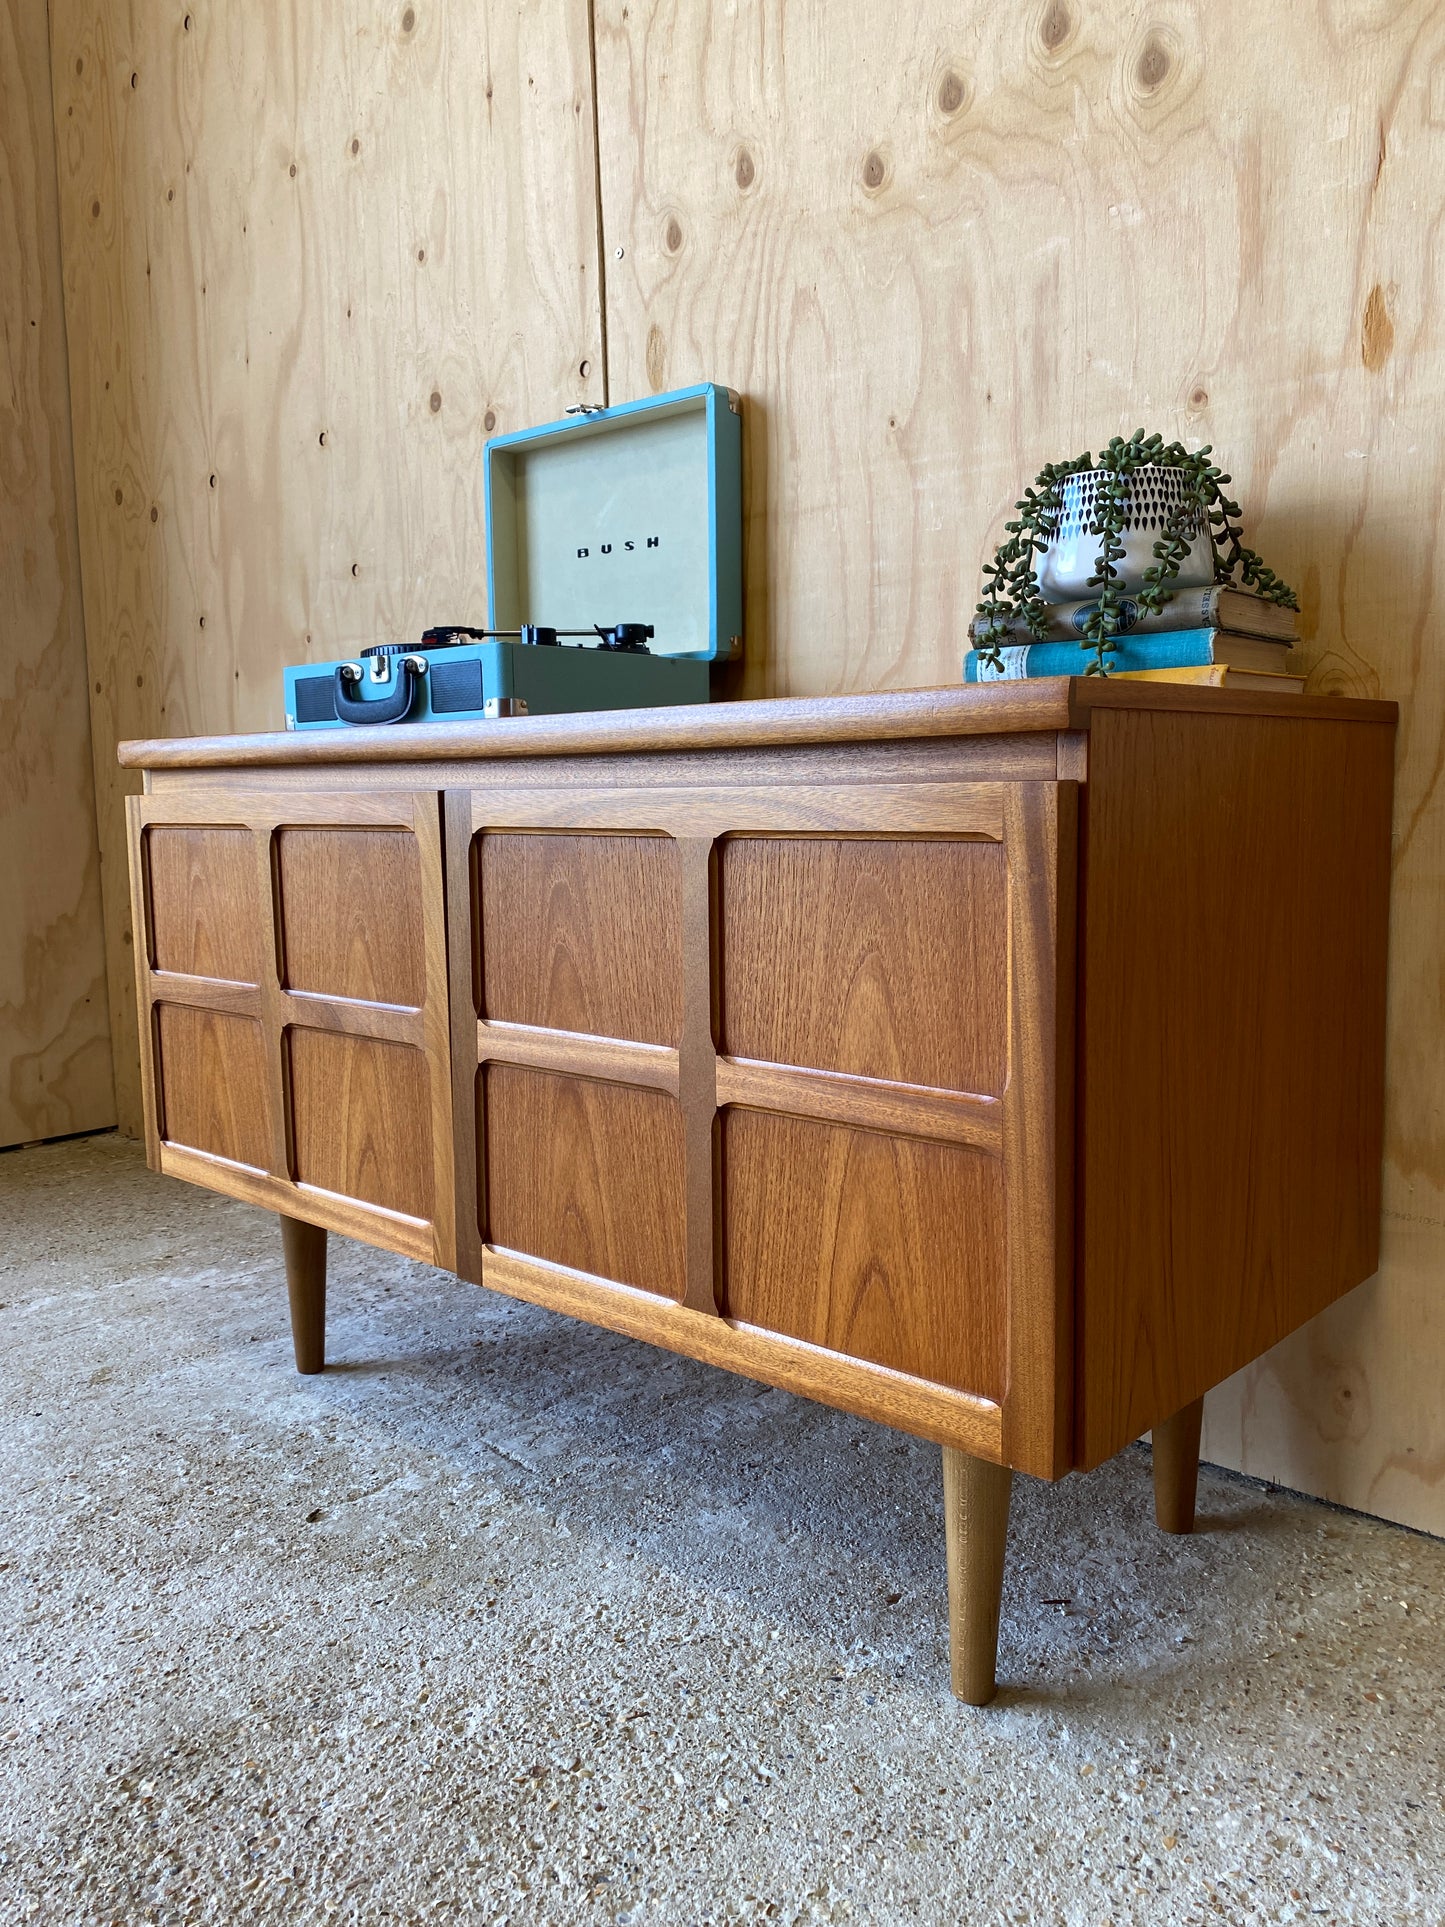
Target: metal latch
<point x="495" y="707"/>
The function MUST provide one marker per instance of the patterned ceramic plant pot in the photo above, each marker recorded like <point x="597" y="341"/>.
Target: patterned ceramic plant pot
<point x="1072" y="557"/>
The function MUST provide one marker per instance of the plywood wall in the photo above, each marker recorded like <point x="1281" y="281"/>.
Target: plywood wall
<point x="313" y="258"/>
<point x="54" y="1040"/>
<point x="940" y="245"/>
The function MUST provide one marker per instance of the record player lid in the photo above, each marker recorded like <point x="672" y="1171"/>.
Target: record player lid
<point x="633" y="512"/>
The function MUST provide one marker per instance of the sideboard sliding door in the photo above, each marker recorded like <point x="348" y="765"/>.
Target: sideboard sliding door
<point x="291" y="975"/>
<point x="781" y="1077"/>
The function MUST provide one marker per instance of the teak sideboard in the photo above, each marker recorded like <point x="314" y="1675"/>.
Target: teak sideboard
<point x="1004" y="1064"/>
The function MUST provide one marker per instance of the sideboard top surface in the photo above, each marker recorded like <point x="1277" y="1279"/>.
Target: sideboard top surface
<point x="1012" y="708"/>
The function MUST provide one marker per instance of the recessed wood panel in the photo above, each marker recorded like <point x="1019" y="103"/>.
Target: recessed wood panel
<point x="213" y="1083"/>
<point x="361" y="1119"/>
<point x="585" y="1174"/>
<point x="582" y="933"/>
<point x="882" y="958"/>
<point x="886" y="1248"/>
<point x="205" y="900"/>
<point x="351" y="911"/>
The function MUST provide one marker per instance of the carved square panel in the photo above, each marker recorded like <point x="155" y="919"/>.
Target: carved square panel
<point x="582" y="933"/>
<point x="585" y="1174"/>
<point x="206" y="902"/>
<point x="879" y="957"/>
<point x="213" y="1084"/>
<point x="361" y="1119"/>
<point x="879" y="1247"/>
<point x="351" y="913"/>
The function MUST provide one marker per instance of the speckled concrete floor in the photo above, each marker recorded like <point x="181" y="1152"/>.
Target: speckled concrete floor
<point x="506" y="1619"/>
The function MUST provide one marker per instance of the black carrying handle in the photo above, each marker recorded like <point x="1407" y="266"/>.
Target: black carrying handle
<point x="394" y="708"/>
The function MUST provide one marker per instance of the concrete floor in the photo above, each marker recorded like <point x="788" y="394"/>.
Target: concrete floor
<point x="506" y="1619"/>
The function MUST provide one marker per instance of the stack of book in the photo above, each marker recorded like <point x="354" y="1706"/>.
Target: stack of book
<point x="1218" y="635"/>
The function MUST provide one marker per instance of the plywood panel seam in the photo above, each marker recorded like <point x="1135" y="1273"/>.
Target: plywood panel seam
<point x="55" y="991"/>
<point x="251" y="494"/>
<point x="599" y="211"/>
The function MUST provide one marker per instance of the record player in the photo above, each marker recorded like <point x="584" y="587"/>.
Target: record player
<point x="614" y="578"/>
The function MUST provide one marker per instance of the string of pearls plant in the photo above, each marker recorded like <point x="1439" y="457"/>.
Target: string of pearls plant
<point x="1011" y="593"/>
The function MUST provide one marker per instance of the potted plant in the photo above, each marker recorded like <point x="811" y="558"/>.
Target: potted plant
<point x="1147" y="518"/>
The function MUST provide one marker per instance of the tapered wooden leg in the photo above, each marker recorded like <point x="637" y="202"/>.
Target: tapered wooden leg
<point x="975" y="1515"/>
<point x="305" y="1249"/>
<point x="1176" y="1468"/>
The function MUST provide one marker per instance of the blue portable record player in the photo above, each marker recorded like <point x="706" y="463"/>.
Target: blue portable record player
<point x="614" y="578"/>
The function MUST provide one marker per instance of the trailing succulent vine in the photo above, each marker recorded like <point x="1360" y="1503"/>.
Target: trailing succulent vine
<point x="1010" y="581"/>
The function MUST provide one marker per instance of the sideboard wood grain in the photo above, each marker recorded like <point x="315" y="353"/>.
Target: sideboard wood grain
<point x="876" y="879"/>
<point x="1233" y="1023"/>
<point x="292" y="982"/>
<point x="1005" y="1065"/>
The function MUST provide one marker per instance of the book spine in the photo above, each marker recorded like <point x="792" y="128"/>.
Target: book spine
<point x="1177" y="649"/>
<point x="1245" y="614"/>
<point x="1189" y="609"/>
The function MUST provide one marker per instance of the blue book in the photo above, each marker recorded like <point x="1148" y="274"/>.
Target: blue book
<point x="1170" y="649"/>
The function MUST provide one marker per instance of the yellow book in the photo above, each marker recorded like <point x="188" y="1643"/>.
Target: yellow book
<point x="1217" y="675"/>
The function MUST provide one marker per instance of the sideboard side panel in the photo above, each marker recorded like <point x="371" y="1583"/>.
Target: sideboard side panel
<point x="1232" y="1049"/>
